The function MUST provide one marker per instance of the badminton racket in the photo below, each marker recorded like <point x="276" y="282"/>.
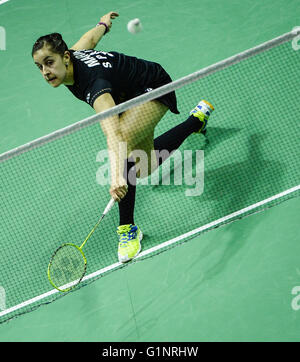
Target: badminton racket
<point x="68" y="263"/>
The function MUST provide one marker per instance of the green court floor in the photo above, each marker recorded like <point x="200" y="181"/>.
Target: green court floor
<point x="231" y="283"/>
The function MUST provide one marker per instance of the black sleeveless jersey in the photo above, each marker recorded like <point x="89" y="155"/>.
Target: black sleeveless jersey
<point x="123" y="76"/>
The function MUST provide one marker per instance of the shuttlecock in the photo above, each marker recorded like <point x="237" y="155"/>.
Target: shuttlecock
<point x="134" y="26"/>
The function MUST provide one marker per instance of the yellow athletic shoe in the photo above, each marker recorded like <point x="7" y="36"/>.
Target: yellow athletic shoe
<point x="202" y="111"/>
<point x="130" y="237"/>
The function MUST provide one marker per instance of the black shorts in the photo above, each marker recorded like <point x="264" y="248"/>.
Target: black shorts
<point x="162" y="78"/>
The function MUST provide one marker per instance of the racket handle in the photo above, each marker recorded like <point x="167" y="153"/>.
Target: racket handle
<point x="109" y="206"/>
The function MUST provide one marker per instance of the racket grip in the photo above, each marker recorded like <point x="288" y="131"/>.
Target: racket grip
<point x="109" y="206"/>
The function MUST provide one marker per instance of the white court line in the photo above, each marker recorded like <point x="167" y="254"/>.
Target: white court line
<point x="155" y="248"/>
<point x="3" y="1"/>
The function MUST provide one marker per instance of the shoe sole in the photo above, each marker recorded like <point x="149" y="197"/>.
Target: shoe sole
<point x="126" y="259"/>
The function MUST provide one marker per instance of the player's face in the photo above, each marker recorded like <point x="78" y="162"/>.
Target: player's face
<point x="51" y="65"/>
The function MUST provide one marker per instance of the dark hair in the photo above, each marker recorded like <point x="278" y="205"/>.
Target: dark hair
<point x="54" y="40"/>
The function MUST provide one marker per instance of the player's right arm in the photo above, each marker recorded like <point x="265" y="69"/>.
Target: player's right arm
<point x="117" y="155"/>
<point x="90" y="39"/>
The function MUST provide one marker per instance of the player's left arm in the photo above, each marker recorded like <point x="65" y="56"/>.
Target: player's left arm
<point x="90" y="39"/>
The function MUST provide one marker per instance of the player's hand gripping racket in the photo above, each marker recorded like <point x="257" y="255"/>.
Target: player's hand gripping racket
<point x="67" y="265"/>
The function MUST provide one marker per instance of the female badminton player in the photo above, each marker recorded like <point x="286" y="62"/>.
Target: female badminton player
<point x="104" y="79"/>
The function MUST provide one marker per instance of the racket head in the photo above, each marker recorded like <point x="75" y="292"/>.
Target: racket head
<point x="67" y="267"/>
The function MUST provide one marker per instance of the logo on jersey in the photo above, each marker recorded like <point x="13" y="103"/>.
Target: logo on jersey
<point x="88" y="97"/>
<point x="93" y="58"/>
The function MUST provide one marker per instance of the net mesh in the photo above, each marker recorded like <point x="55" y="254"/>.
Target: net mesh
<point x="57" y="191"/>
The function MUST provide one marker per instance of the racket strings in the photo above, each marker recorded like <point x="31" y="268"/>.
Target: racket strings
<point x="67" y="265"/>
